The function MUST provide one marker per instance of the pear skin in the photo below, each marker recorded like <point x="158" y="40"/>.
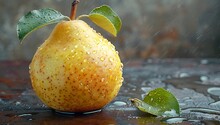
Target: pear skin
<point x="76" y="69"/>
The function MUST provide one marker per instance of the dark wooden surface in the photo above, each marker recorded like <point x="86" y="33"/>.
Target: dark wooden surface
<point x="188" y="79"/>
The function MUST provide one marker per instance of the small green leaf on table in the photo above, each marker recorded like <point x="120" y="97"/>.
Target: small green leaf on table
<point x="159" y="102"/>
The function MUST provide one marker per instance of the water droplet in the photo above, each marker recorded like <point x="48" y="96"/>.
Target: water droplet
<point x="119" y="103"/>
<point x="82" y="70"/>
<point x="122" y="79"/>
<point x="68" y="28"/>
<point x="121" y="68"/>
<point x="214" y="91"/>
<point x="151" y="99"/>
<point x="171" y="113"/>
<point x="34" y="11"/>
<point x="116" y="78"/>
<point x="24" y="115"/>
<point x="17" y="103"/>
<point x="40" y="48"/>
<point x="122" y="64"/>
<point x="117" y="52"/>
<point x="183" y="75"/>
<point x="204" y="61"/>
<point x="91" y="112"/>
<point x="111" y="59"/>
<point x="88" y="53"/>
<point x="204" y="78"/>
<point x="86" y="87"/>
<point x="134" y="89"/>
<point x="103" y="79"/>
<point x="133" y="117"/>
<point x="174" y="120"/>
<point x="102" y="59"/>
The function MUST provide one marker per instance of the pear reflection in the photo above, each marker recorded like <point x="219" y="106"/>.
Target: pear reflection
<point x="100" y="118"/>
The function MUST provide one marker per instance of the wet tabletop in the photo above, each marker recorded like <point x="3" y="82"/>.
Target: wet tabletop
<point x="194" y="82"/>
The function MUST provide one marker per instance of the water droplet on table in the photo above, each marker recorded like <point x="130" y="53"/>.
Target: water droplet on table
<point x="214" y="91"/>
<point x="174" y="120"/>
<point x="17" y="103"/>
<point x="181" y="75"/>
<point x="119" y="103"/>
<point x="204" y="61"/>
<point x="24" y="115"/>
<point x="204" y="78"/>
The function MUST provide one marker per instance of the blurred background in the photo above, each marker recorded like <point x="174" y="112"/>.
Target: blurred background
<point x="151" y="28"/>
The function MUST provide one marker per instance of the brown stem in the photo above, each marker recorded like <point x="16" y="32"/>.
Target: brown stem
<point x="73" y="9"/>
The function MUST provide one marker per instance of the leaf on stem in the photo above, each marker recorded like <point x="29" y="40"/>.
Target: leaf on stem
<point x="37" y="19"/>
<point x="106" y="18"/>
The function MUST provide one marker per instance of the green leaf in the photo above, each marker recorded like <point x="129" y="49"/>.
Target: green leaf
<point x="37" y="19"/>
<point x="106" y="18"/>
<point x="159" y="102"/>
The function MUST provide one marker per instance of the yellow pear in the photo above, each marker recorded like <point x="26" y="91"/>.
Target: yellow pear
<point x="76" y="69"/>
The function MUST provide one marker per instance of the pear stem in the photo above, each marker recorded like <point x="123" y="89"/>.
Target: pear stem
<point x="73" y="9"/>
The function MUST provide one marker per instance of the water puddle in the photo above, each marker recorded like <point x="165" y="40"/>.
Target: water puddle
<point x="215" y="104"/>
<point x="195" y="83"/>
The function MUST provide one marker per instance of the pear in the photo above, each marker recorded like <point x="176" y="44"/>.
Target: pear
<point x="76" y="69"/>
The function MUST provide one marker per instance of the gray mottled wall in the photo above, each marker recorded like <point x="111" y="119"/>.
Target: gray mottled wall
<point x="151" y="28"/>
